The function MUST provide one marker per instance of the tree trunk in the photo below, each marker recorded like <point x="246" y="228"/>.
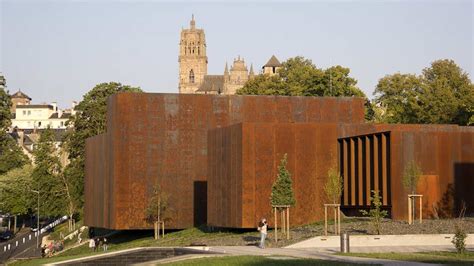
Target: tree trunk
<point x="14" y="224"/>
<point x="155" y="227"/>
<point x="276" y="226"/>
<point x="163" y="229"/>
<point x="283" y="224"/>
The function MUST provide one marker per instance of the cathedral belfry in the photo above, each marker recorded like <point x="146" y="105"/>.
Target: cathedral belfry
<point x="192" y="58"/>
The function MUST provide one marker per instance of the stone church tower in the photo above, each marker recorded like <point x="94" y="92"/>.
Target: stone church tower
<point x="192" y="58"/>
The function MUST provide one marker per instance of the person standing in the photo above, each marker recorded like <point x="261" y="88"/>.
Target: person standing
<point x="262" y="227"/>
<point x="105" y="244"/>
<point x="92" y="244"/>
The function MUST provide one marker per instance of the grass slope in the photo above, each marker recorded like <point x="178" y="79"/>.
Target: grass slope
<point x="259" y="260"/>
<point x="442" y="257"/>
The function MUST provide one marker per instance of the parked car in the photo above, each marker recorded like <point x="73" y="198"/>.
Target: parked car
<point x="6" y="235"/>
<point x="34" y="228"/>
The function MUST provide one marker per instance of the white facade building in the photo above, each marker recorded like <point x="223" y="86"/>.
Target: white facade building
<point x="39" y="116"/>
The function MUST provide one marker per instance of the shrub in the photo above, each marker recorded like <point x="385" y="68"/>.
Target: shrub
<point x="375" y="213"/>
<point x="459" y="239"/>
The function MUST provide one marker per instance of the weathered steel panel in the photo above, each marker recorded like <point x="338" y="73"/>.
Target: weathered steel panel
<point x="438" y="149"/>
<point x="163" y="139"/>
<point x="310" y="148"/>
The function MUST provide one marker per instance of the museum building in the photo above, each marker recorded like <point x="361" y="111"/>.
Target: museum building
<point x="217" y="157"/>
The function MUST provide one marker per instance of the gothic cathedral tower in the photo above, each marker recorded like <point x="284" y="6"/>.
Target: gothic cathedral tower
<point x="192" y="58"/>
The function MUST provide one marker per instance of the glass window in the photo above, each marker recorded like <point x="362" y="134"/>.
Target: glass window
<point x="191" y="76"/>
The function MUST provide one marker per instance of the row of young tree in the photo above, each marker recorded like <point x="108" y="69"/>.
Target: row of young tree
<point x="442" y="94"/>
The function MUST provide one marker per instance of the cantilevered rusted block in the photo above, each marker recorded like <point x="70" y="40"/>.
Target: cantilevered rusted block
<point x="243" y="166"/>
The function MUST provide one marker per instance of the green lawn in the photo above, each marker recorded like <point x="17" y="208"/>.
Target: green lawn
<point x="258" y="260"/>
<point x="127" y="240"/>
<point x="441" y="257"/>
<point x="64" y="229"/>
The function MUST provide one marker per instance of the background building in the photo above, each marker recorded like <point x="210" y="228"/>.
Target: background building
<point x="29" y="120"/>
<point x="193" y="77"/>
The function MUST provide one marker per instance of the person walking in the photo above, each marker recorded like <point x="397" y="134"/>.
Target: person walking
<point x="92" y="244"/>
<point x="105" y="244"/>
<point x="262" y="227"/>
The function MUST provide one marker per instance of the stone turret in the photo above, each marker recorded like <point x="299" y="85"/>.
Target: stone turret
<point x="272" y="66"/>
<point x="226" y="73"/>
<point x="251" y="73"/>
<point x="237" y="76"/>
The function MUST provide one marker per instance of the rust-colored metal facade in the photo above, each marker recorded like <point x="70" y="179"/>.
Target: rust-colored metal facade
<point x="445" y="154"/>
<point x="163" y="139"/>
<point x="243" y="162"/>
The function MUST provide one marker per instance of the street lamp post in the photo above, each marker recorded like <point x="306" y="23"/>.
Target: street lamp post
<point x="37" y="219"/>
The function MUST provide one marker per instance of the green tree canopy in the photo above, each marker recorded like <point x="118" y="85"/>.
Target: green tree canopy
<point x="11" y="155"/>
<point x="300" y="77"/>
<point x="90" y="120"/>
<point x="442" y="94"/>
<point x="15" y="196"/>
<point x="282" y="190"/>
<point x="333" y="185"/>
<point x="411" y="176"/>
<point x="5" y="114"/>
<point x="46" y="174"/>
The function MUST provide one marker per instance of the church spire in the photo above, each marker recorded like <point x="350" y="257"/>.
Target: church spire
<point x="192" y="23"/>
<point x="251" y="74"/>
<point x="226" y="72"/>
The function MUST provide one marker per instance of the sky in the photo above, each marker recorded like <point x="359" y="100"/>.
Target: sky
<point x="59" y="50"/>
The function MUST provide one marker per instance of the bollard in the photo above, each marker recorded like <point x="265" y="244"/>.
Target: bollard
<point x="4" y="248"/>
<point x="16" y="243"/>
<point x="29" y="236"/>
<point x="23" y="240"/>
<point x="345" y="243"/>
<point x="8" y="246"/>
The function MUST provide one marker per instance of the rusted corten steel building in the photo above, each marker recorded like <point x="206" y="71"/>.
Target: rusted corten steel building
<point x="217" y="157"/>
<point x="243" y="160"/>
<point x="163" y="138"/>
<point x="373" y="157"/>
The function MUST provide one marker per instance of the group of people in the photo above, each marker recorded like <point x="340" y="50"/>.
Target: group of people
<point x="96" y="243"/>
<point x="51" y="248"/>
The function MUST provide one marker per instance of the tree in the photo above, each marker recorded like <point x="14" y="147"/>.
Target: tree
<point x="5" y="114"/>
<point x="375" y="213"/>
<point x="442" y="94"/>
<point x="46" y="175"/>
<point x="158" y="209"/>
<point x="15" y="197"/>
<point x="398" y="94"/>
<point x="282" y="191"/>
<point x="11" y="155"/>
<point x="89" y="120"/>
<point x="282" y="197"/>
<point x="411" y="176"/>
<point x="333" y="186"/>
<point x="300" y="77"/>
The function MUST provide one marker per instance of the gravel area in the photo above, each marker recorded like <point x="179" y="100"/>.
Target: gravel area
<point x="355" y="226"/>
